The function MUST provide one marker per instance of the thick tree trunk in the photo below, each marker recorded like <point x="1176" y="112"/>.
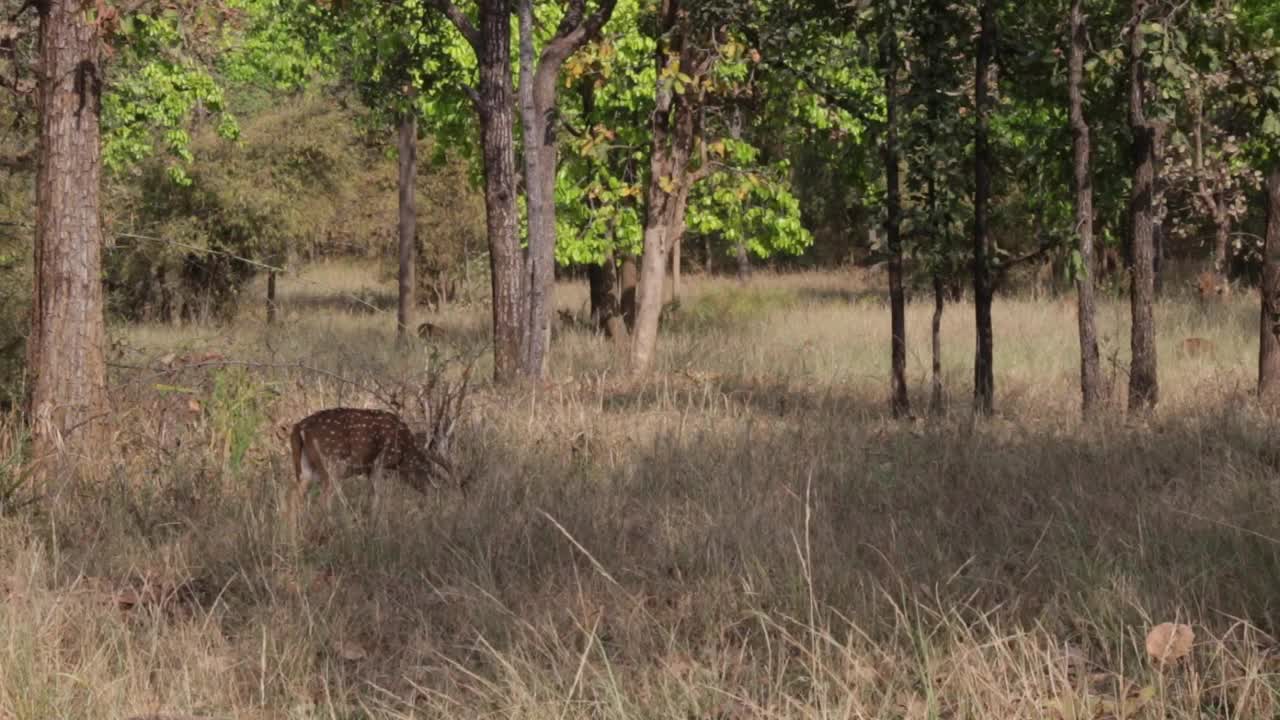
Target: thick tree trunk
<point x="1090" y="368"/>
<point x="899" y="403"/>
<point x="65" y="356"/>
<point x="408" y="225"/>
<point x="983" y="287"/>
<point x="1143" y="384"/>
<point x="628" y="280"/>
<point x="497" y="125"/>
<point x="271" y="296"/>
<point x="1269" y="348"/>
<point x="937" y="398"/>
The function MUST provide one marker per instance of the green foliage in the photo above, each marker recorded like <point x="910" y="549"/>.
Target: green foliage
<point x="237" y="409"/>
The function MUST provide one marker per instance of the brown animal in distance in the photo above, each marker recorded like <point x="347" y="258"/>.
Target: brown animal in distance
<point x="337" y="443"/>
<point x="428" y="330"/>
<point x="1212" y="286"/>
<point x="1197" y="347"/>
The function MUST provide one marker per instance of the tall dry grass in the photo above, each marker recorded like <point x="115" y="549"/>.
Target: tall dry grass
<point x="746" y="534"/>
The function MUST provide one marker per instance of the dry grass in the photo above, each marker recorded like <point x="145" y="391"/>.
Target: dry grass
<point x="746" y="535"/>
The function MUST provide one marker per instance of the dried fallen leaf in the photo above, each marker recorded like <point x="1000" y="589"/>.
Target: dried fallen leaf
<point x="1168" y="642"/>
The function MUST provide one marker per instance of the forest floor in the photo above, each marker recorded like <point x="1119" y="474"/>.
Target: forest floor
<point x="745" y="534"/>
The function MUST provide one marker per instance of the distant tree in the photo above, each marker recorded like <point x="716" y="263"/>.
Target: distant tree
<point x="1143" y="383"/>
<point x="1082" y="172"/>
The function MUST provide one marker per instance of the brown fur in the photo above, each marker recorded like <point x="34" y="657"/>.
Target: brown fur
<point x="1212" y="287"/>
<point x="1195" y="347"/>
<point x="341" y="442"/>
<point x="428" y="330"/>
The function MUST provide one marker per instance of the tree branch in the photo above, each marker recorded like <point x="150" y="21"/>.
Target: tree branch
<point x="574" y="32"/>
<point x="460" y="21"/>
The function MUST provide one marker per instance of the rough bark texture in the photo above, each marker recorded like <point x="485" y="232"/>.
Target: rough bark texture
<point x="675" y="269"/>
<point x="1269" y="348"/>
<point x="497" y="124"/>
<point x="408" y="225"/>
<point x="892" y="225"/>
<point x="67" y="369"/>
<point x="1090" y="368"/>
<point x="1143" y="385"/>
<point x="983" y="286"/>
<point x="1159" y="211"/>
<point x="674" y="128"/>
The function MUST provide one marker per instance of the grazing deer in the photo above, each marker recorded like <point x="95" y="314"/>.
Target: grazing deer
<point x="338" y="443"/>
<point x="1212" y="286"/>
<point x="1195" y="347"/>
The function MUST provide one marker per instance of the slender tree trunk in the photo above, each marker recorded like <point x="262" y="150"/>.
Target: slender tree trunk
<point x="1221" y="236"/>
<point x="983" y="287"/>
<point x="65" y="361"/>
<point x="744" y="263"/>
<point x="674" y="127"/>
<point x="937" y="399"/>
<point x="1159" y="211"/>
<point x="497" y="125"/>
<point x="711" y="260"/>
<point x="1090" y="369"/>
<point x="1269" y="348"/>
<point x="604" y="300"/>
<point x="271" y="296"/>
<point x="537" y="108"/>
<point x="1143" y="384"/>
<point x="408" y="225"/>
<point x="628" y="280"/>
<point x="675" y="270"/>
<point x="900" y="403"/>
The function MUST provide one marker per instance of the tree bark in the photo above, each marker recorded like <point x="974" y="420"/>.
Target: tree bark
<point x="1143" y="384"/>
<point x="65" y="356"/>
<point x="408" y="225"/>
<point x="604" y="300"/>
<point x="674" y="127"/>
<point x="1090" y="368"/>
<point x="628" y="280"/>
<point x="1159" y="211"/>
<point x="675" y="270"/>
<point x="744" y="263"/>
<point x="539" y="118"/>
<point x="1269" y="348"/>
<point x="497" y="125"/>
<point x="900" y="403"/>
<point x="983" y="286"/>
<point x="937" y="398"/>
<point x="1221" y="235"/>
<point x="271" y="297"/>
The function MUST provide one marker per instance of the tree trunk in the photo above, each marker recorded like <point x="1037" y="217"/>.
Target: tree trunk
<point x="983" y="287"/>
<point x="1221" y="235"/>
<point x="408" y="225"/>
<point x="604" y="300"/>
<point x="497" y="124"/>
<point x="1143" y="385"/>
<point x="65" y="356"/>
<point x="937" y="398"/>
<point x="1159" y="211"/>
<point x="1269" y="348"/>
<point x="271" y="296"/>
<point x="900" y="404"/>
<point x="674" y="127"/>
<point x="1090" y="369"/>
<point x="675" y="270"/>
<point x="744" y="263"/>
<point x="537" y="108"/>
<point x="706" y="248"/>
<point x="628" y="279"/>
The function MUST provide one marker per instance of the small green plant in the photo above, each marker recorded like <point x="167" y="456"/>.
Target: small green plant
<point x="237" y="408"/>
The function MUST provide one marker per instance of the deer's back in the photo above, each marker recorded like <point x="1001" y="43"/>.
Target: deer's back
<point x="357" y="437"/>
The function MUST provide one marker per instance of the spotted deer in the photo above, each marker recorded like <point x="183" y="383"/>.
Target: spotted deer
<point x="1212" y="287"/>
<point x="338" y="443"/>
